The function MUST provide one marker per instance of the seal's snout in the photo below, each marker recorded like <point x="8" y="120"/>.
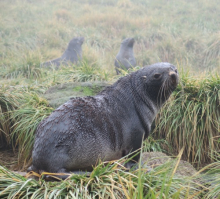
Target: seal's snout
<point x="131" y="42"/>
<point x="174" y="77"/>
<point x="81" y="39"/>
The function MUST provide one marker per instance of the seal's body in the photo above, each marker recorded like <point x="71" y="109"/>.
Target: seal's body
<point x="105" y="127"/>
<point x="72" y="54"/>
<point x="125" y="58"/>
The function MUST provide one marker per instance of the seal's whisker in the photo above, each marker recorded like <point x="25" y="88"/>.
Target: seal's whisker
<point x="162" y="92"/>
<point x="166" y="88"/>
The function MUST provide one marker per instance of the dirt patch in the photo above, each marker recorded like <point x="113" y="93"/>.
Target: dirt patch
<point x="61" y="93"/>
<point x="8" y="158"/>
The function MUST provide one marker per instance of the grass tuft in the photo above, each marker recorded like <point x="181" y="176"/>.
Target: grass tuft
<point x="106" y="181"/>
<point x="8" y="103"/>
<point x="192" y="119"/>
<point x="26" y="120"/>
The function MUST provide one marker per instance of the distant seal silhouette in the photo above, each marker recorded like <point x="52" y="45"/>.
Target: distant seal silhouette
<point x="105" y="127"/>
<point x="72" y="54"/>
<point x="125" y="58"/>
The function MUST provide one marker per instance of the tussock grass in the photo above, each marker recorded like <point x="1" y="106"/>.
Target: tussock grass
<point x="26" y="120"/>
<point x="212" y="52"/>
<point x="106" y="181"/>
<point x="8" y="103"/>
<point x="188" y="34"/>
<point x="89" y="72"/>
<point x="27" y="66"/>
<point x="151" y="144"/>
<point x="82" y="72"/>
<point x="192" y="119"/>
<point x="21" y="112"/>
<point x="212" y="176"/>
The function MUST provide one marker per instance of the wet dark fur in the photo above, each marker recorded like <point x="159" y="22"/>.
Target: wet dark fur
<point x="107" y="126"/>
<point x="125" y="58"/>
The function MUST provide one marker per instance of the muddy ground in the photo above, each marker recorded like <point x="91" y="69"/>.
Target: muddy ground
<point x="8" y="158"/>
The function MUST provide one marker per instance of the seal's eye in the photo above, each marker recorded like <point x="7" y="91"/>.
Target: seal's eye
<point x="157" y="76"/>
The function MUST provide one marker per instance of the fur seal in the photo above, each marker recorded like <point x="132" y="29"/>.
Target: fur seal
<point x="125" y="58"/>
<point x="105" y="127"/>
<point x="72" y="54"/>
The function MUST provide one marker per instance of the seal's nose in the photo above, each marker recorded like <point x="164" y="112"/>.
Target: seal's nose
<point x="174" y="77"/>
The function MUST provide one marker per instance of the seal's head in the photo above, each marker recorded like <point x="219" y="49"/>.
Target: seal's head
<point x="76" y="42"/>
<point x="157" y="81"/>
<point x="128" y="43"/>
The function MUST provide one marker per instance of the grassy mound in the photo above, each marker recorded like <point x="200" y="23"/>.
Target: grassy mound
<point x="191" y="119"/>
<point x="112" y="181"/>
<point x="106" y="181"/>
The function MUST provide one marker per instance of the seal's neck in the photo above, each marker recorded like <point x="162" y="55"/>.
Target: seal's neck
<point x="142" y="95"/>
<point x="126" y="49"/>
<point x="72" y="53"/>
<point x="124" y="96"/>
